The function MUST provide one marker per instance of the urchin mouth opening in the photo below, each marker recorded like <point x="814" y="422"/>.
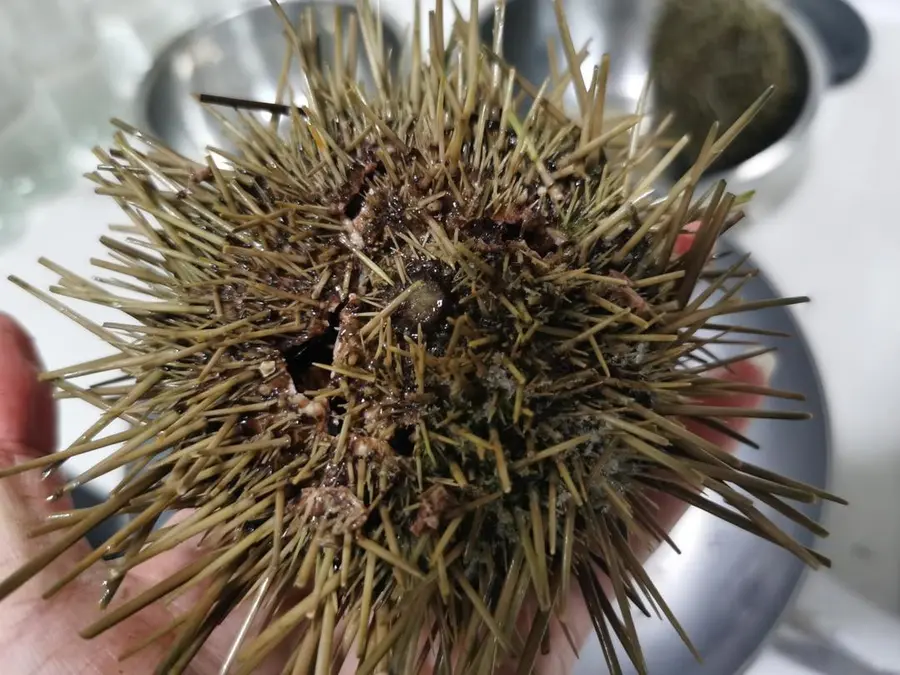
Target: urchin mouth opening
<point x="355" y="204"/>
<point x="300" y="359"/>
<point x="300" y="363"/>
<point x="402" y="441"/>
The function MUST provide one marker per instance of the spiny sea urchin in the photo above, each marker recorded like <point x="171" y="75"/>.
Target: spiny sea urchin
<point x="410" y="366"/>
<point x="737" y="49"/>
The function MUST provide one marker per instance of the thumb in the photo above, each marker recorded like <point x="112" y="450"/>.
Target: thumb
<point x="27" y="431"/>
<point x="27" y="415"/>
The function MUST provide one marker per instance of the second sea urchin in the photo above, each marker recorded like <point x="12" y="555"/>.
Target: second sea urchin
<point x="410" y="367"/>
<point x="737" y="49"/>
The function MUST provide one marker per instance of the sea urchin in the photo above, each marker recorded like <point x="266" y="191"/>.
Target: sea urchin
<point x="411" y="366"/>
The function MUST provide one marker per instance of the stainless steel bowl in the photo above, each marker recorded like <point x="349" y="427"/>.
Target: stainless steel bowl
<point x="623" y="29"/>
<point x="237" y="55"/>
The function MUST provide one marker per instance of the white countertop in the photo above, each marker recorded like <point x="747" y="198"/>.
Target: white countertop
<point x="836" y="239"/>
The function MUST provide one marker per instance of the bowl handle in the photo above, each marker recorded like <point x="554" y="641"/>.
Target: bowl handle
<point x="842" y="31"/>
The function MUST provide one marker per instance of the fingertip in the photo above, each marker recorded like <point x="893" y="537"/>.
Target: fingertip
<point x="757" y="370"/>
<point x="685" y="240"/>
<point x="765" y="366"/>
<point x="27" y="416"/>
<point x="15" y="341"/>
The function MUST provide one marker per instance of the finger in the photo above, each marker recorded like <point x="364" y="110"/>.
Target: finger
<point x="26" y="406"/>
<point x="27" y="430"/>
<point x="756" y="372"/>
<point x="683" y="242"/>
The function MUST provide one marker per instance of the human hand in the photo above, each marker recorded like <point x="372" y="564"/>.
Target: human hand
<point x="27" y="621"/>
<point x="40" y="635"/>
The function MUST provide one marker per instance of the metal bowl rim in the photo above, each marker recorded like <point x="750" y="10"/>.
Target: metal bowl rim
<point x="162" y="57"/>
<point x="770" y="158"/>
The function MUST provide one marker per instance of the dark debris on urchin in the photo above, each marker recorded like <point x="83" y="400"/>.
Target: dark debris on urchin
<point x="417" y="359"/>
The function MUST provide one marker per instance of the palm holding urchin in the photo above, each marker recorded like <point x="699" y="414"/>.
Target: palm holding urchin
<point x="413" y="367"/>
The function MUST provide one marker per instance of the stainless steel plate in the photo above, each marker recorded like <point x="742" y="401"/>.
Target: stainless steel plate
<point x="729" y="588"/>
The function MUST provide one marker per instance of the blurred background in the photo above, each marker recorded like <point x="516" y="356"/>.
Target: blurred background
<point x="66" y="67"/>
<point x="826" y="227"/>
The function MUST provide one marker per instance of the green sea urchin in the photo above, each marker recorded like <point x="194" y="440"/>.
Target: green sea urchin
<point x="737" y="48"/>
<point x="409" y="366"/>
